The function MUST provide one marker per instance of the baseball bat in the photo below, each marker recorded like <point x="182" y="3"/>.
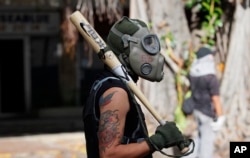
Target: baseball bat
<point x="109" y="58"/>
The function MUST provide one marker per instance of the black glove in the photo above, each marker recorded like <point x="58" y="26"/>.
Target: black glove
<point x="165" y="136"/>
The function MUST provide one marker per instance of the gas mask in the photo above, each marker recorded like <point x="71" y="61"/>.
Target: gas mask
<point x="143" y="55"/>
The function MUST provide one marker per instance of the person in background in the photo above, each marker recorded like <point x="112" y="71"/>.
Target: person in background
<point x="114" y="123"/>
<point x="208" y="112"/>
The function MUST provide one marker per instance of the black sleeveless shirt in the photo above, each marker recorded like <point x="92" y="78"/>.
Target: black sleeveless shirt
<point x="135" y="127"/>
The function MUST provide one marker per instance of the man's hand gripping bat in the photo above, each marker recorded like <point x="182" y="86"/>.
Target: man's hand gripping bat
<point x="109" y="58"/>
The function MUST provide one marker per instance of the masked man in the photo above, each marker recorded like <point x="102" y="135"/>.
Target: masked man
<point x="208" y="112"/>
<point x="113" y="120"/>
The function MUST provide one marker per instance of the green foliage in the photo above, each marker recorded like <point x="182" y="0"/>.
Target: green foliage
<point x="180" y="118"/>
<point x="210" y="19"/>
<point x="205" y="6"/>
<point x="150" y="25"/>
<point x="168" y="35"/>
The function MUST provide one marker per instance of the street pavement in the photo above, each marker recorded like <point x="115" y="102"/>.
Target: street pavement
<point x="59" y="145"/>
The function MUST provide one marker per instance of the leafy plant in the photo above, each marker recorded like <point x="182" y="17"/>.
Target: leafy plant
<point x="210" y="14"/>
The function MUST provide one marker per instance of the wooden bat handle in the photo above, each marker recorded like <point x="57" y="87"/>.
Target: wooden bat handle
<point x="145" y="102"/>
<point x="86" y="30"/>
<point x="183" y="146"/>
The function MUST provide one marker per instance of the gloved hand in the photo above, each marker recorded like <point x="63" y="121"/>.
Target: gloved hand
<point x="165" y="136"/>
<point x="217" y="124"/>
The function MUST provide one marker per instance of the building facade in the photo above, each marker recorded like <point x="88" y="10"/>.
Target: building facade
<point x="31" y="56"/>
<point x="29" y="35"/>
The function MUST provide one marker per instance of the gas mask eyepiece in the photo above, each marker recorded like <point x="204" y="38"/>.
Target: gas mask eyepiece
<point x="151" y="44"/>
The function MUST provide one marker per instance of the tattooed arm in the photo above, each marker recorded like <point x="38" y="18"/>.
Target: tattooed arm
<point x="114" y="105"/>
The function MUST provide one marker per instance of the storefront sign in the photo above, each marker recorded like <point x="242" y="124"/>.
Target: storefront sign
<point x="29" y="22"/>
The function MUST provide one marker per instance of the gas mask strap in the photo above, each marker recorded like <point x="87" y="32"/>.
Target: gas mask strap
<point x="115" y="31"/>
<point x="125" y="37"/>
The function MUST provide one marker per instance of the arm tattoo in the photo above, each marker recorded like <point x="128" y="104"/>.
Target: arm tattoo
<point x="108" y="129"/>
<point x="106" y="100"/>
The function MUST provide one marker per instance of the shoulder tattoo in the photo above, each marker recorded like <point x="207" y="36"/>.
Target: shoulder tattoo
<point x="108" y="129"/>
<point x="104" y="100"/>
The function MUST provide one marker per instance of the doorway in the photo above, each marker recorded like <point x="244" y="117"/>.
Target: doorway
<point x="12" y="94"/>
